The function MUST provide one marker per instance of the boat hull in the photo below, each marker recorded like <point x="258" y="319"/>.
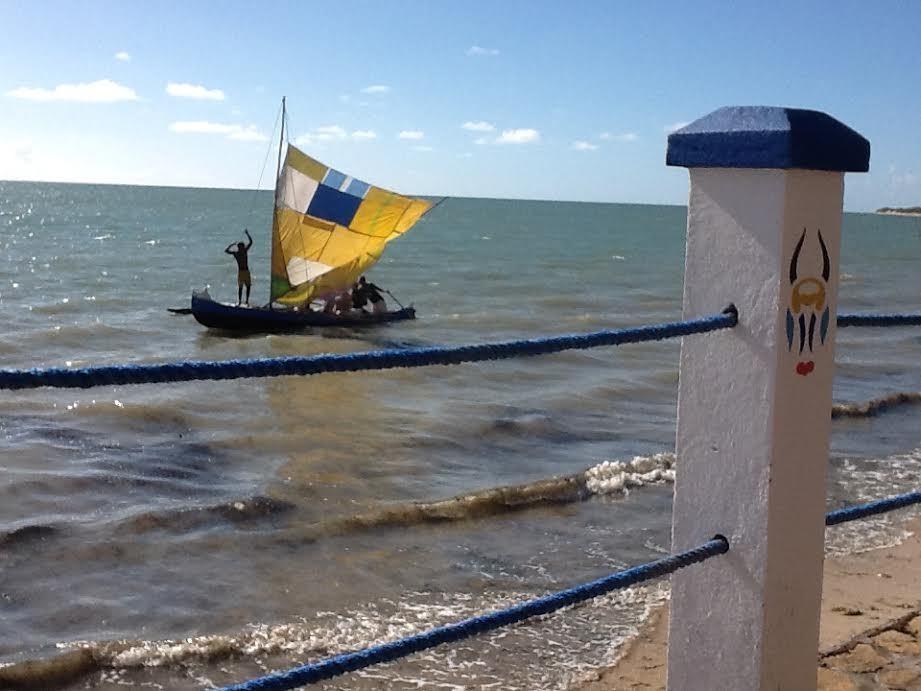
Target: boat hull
<point x="217" y="315"/>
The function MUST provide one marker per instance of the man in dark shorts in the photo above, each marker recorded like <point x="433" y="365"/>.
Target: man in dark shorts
<point x="241" y="255"/>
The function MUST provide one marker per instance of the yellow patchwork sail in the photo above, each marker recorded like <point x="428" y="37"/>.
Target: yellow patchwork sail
<point x="329" y="228"/>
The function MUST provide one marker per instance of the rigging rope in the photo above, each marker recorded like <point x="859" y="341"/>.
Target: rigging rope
<point x="252" y="202"/>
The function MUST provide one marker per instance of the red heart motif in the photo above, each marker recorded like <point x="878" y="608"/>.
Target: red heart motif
<point x="805" y="368"/>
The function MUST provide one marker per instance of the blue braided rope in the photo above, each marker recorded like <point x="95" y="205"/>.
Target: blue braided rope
<point x="349" y="662"/>
<point x="192" y="370"/>
<point x="83" y="378"/>
<point x="879" y="320"/>
<point x="852" y="513"/>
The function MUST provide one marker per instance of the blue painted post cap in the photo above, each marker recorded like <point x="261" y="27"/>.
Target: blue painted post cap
<point x="768" y="137"/>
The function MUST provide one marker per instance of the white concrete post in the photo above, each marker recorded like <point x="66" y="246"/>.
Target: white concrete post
<point x="754" y="403"/>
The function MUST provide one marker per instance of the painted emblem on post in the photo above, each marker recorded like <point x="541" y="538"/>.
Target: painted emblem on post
<point x="808" y="313"/>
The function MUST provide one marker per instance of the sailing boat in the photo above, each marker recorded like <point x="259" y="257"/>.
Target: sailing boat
<point x="328" y="228"/>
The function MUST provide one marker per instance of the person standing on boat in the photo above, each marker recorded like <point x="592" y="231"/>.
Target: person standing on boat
<point x="241" y="254"/>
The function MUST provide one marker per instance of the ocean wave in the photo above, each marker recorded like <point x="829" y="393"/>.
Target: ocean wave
<point x="617" y="477"/>
<point x="166" y="415"/>
<point x="26" y="534"/>
<point x="239" y="512"/>
<point x="605" y="479"/>
<point x="610" y="619"/>
<point x="533" y="425"/>
<point x="63" y="306"/>
<point x="869" y="479"/>
<point x="77" y="335"/>
<point x="481" y="504"/>
<point x="609" y="478"/>
<point x="875" y="406"/>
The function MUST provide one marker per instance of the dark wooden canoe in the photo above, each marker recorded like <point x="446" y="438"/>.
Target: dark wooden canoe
<point x="217" y="315"/>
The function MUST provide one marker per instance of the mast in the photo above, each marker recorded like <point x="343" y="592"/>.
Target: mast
<point x="281" y="140"/>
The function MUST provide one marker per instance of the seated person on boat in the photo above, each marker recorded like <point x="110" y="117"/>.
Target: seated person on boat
<point x="363" y="292"/>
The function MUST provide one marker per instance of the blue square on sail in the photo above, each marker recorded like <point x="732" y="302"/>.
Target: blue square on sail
<point x="334" y="178"/>
<point x="332" y="205"/>
<point x="358" y="188"/>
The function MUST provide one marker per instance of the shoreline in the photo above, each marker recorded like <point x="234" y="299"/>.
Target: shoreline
<point x="898" y="213"/>
<point x="871" y="608"/>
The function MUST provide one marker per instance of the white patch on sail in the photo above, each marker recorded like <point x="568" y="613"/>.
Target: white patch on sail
<point x="295" y="190"/>
<point x="304" y="270"/>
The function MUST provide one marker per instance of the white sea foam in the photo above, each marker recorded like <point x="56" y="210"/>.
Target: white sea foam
<point x="618" y="477"/>
<point x="550" y="652"/>
<point x="871" y="479"/>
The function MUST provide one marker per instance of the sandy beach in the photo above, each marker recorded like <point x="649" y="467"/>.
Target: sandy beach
<point x="870" y="636"/>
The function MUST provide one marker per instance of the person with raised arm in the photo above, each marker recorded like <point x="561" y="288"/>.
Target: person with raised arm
<point x="241" y="254"/>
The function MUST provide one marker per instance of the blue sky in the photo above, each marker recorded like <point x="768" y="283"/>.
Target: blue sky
<point x="532" y="100"/>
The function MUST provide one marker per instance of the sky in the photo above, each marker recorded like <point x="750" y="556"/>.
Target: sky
<point x="533" y="100"/>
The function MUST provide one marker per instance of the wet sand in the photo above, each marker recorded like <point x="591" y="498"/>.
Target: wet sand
<point x="870" y="635"/>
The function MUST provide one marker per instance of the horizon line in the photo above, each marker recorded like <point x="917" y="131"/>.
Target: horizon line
<point x="436" y="196"/>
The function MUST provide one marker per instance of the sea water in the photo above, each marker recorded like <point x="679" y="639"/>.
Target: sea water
<point x="195" y="534"/>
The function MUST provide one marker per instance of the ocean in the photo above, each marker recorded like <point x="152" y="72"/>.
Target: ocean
<point x="190" y="535"/>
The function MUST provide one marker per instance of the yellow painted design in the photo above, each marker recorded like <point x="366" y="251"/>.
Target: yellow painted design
<point x="808" y="292"/>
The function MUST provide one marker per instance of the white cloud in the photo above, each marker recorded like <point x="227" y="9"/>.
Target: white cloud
<point x="240" y="133"/>
<point x="466" y="154"/>
<point x="423" y="148"/>
<point x="480" y="51"/>
<point x="623" y="137"/>
<point x="248" y="134"/>
<point x="376" y="89"/>
<point x="101" y="91"/>
<point x="519" y="136"/>
<point x="481" y="141"/>
<point x="411" y="134"/>
<point x="584" y="146"/>
<point x="202" y="127"/>
<point x="196" y="91"/>
<point x="674" y="127"/>
<point x="122" y="56"/>
<point x="478" y="126"/>
<point x="333" y="133"/>
<point x="326" y="133"/>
